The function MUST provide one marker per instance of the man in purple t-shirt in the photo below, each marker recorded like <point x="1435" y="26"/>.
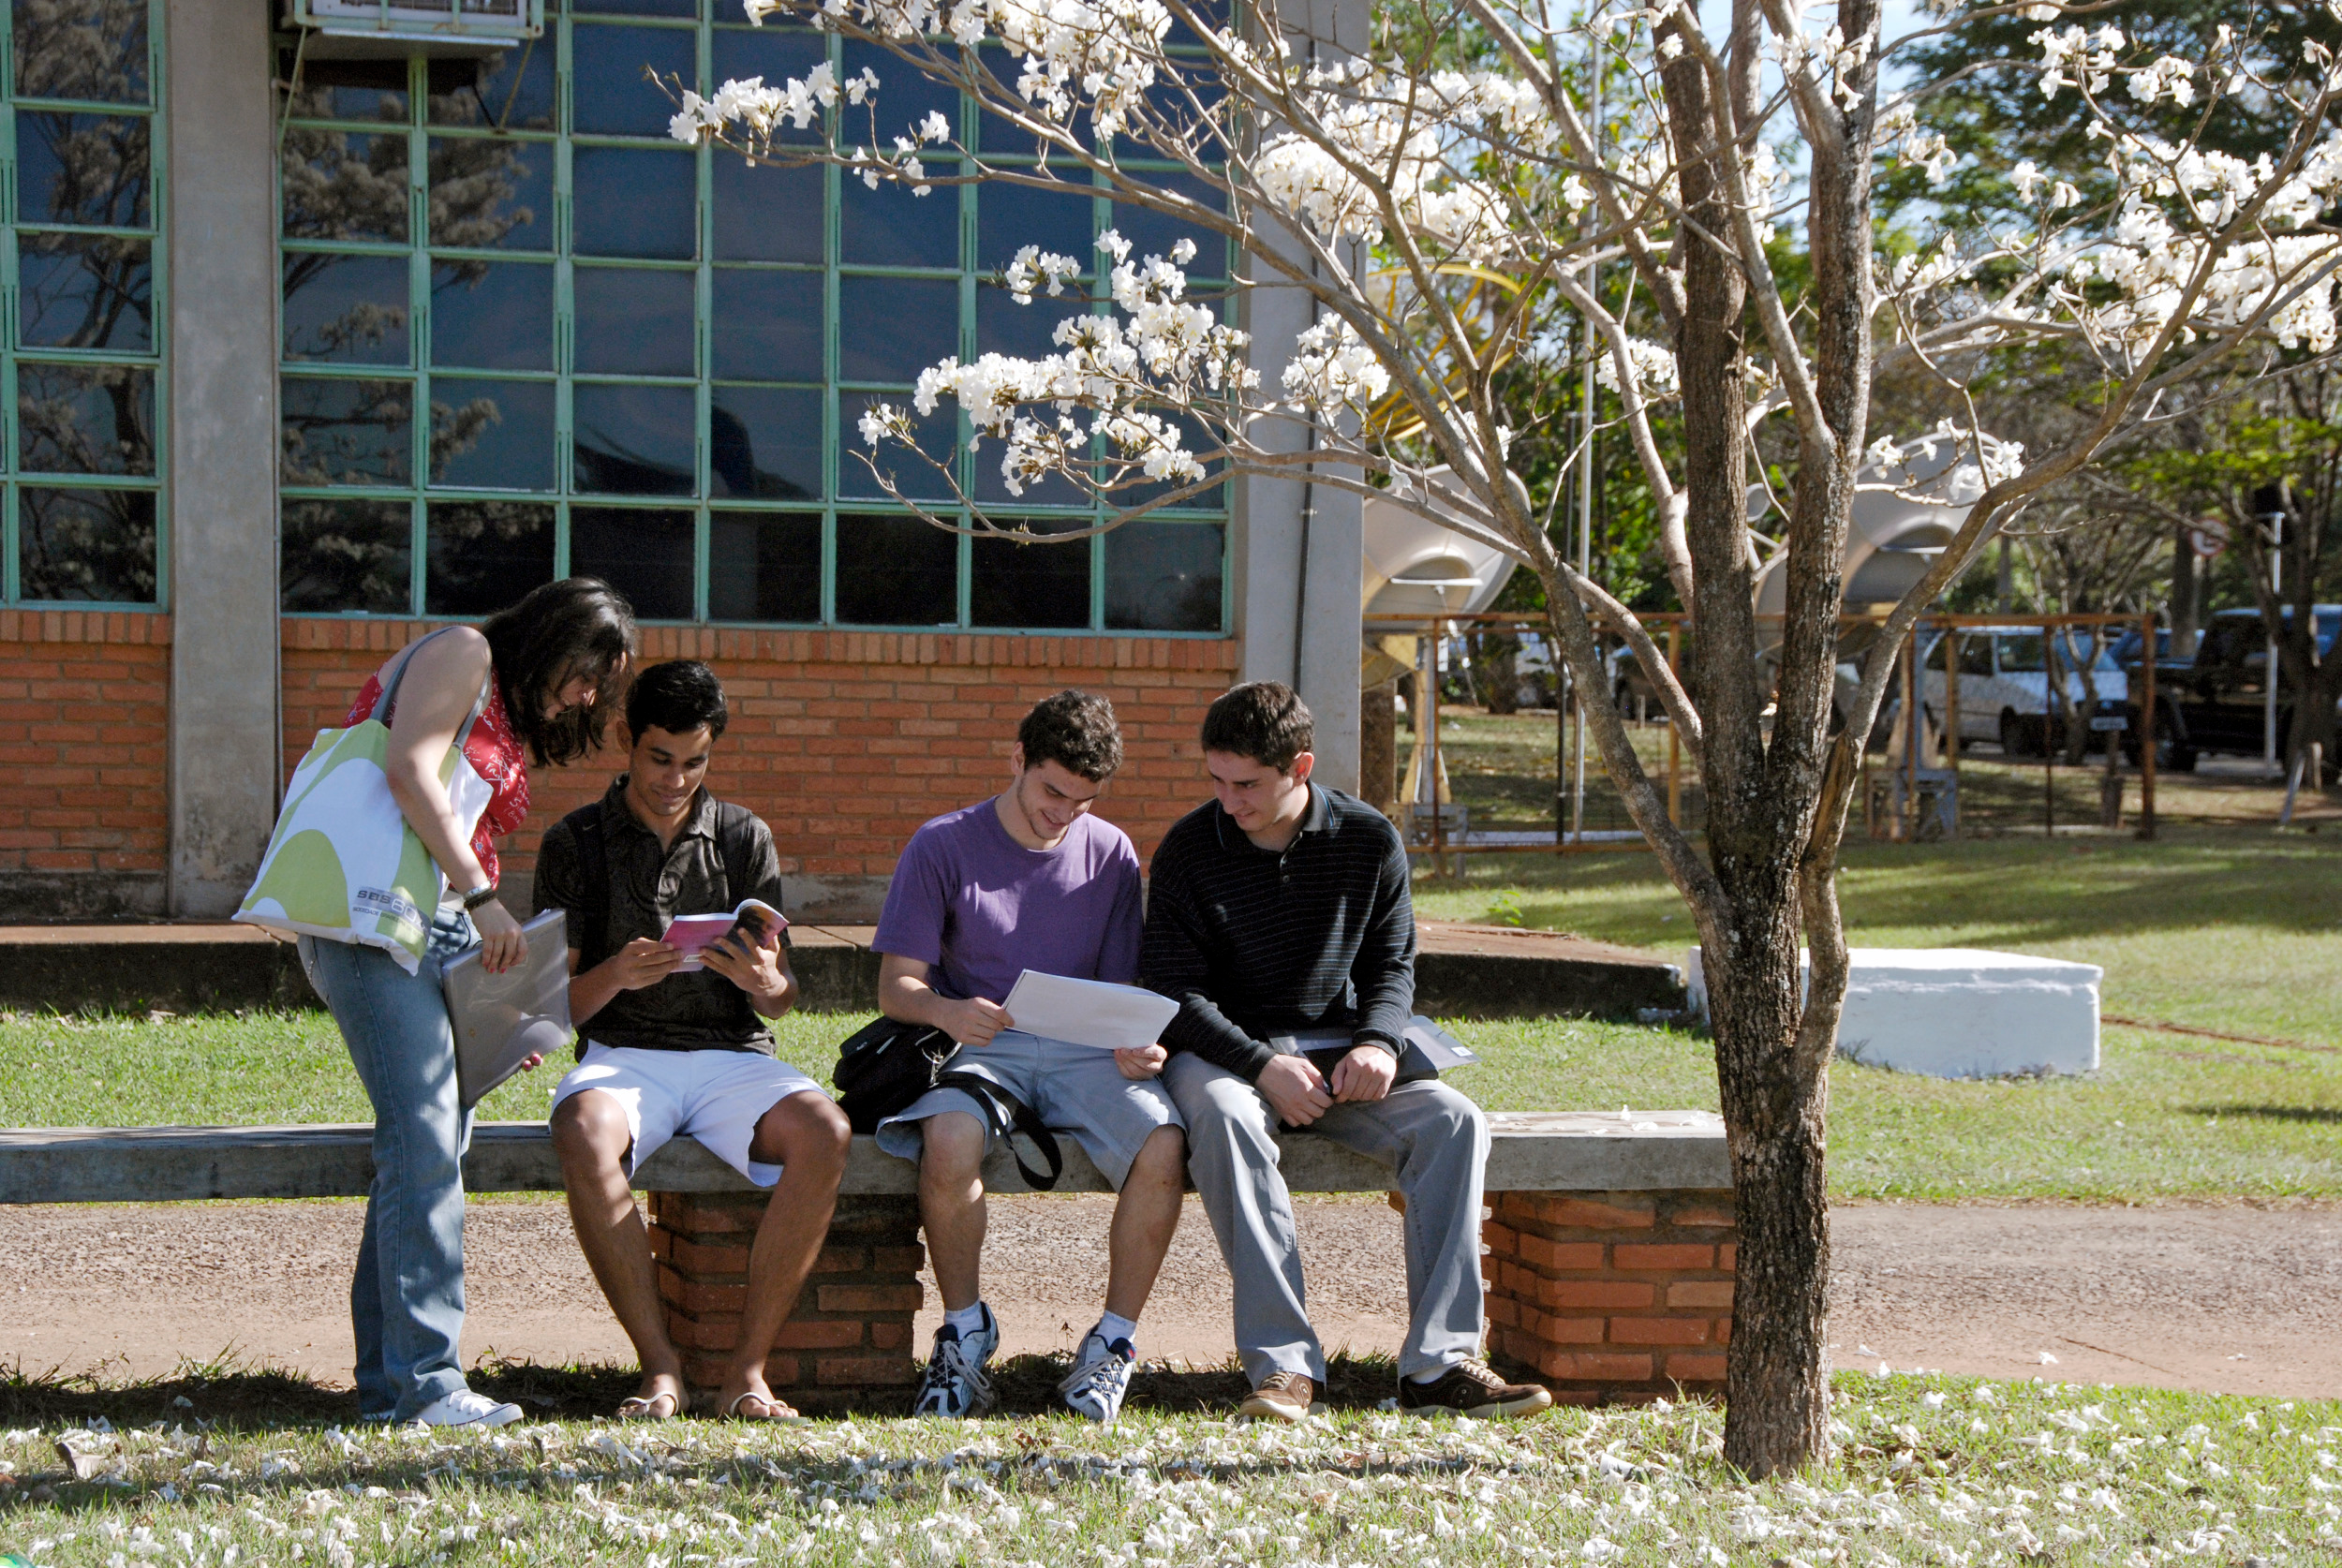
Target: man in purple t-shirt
<point x="1029" y="879"/>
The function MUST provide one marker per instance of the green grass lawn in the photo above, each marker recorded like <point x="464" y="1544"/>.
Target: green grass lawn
<point x="1927" y="1469"/>
<point x="2223" y="928"/>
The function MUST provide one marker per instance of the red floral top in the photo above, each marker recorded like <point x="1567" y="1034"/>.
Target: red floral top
<point x="495" y="753"/>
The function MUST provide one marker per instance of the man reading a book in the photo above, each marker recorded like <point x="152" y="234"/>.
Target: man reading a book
<point x="667" y="1051"/>
<point x="1280" y="921"/>
<point x="1029" y="879"/>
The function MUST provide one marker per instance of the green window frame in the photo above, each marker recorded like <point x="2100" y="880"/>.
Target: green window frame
<point x="83" y="459"/>
<point x="791" y="332"/>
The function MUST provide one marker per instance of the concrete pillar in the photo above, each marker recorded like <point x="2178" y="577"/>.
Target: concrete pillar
<point x="225" y="737"/>
<point x="1298" y="546"/>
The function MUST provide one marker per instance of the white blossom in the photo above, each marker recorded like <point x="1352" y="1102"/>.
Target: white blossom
<point x="1333" y="370"/>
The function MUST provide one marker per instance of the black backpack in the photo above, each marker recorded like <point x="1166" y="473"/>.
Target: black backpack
<point x="887" y="1065"/>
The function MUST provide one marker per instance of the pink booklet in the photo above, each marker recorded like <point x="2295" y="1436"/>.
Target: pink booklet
<point x="762" y="922"/>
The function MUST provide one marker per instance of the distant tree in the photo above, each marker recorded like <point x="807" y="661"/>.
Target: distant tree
<point x="2237" y="446"/>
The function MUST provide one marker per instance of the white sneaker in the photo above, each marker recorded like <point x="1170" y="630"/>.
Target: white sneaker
<point x="465" y="1408"/>
<point x="953" y="1387"/>
<point x="1100" y="1378"/>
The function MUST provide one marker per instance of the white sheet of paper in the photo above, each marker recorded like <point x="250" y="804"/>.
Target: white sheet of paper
<point x="1088" y="1012"/>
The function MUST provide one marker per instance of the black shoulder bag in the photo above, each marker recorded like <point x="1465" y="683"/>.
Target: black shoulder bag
<point x="887" y="1065"/>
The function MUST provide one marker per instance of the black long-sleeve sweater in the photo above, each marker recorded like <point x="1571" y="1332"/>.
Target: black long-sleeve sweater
<point x="1253" y="943"/>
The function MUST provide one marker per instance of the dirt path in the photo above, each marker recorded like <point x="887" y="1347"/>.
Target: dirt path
<point x="2224" y="1297"/>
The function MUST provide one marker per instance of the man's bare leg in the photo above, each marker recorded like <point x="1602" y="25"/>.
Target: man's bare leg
<point x="1145" y="1217"/>
<point x="591" y="1136"/>
<point x="951" y="1205"/>
<point x="808" y="1137"/>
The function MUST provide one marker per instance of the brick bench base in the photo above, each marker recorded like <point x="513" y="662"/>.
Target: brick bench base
<point x="1608" y="1296"/>
<point x="1600" y="1295"/>
<point x="847" y="1347"/>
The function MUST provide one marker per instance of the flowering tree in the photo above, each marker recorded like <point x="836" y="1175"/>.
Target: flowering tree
<point x="1751" y="293"/>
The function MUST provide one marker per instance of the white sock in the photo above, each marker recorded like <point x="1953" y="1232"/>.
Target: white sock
<point x="968" y="1319"/>
<point x="1111" y="1327"/>
<point x="1433" y="1375"/>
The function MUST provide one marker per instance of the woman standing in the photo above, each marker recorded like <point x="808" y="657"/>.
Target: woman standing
<point x="542" y="675"/>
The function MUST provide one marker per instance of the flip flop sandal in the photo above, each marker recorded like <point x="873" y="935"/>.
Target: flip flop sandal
<point x="775" y="1409"/>
<point x="637" y="1408"/>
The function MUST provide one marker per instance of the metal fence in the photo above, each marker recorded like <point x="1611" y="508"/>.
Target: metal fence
<point x="1993" y="725"/>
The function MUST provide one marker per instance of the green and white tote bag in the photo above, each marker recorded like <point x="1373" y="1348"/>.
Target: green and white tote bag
<point x="343" y="864"/>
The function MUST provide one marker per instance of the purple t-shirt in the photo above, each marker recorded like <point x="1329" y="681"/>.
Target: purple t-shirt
<point x="983" y="908"/>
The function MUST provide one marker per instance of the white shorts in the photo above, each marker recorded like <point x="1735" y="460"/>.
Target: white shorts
<point x="717" y="1097"/>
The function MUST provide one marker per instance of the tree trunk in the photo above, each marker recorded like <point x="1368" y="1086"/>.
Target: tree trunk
<point x="1759" y="808"/>
<point x="1500" y="688"/>
<point x="2185" y="579"/>
<point x="1775" y="1370"/>
<point x="1378" y="746"/>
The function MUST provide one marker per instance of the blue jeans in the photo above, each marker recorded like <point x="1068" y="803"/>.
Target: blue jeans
<point x="406" y="1303"/>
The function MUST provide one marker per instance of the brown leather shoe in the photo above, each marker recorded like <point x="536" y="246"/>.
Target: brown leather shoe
<point x="1280" y="1396"/>
<point x="1469" y="1388"/>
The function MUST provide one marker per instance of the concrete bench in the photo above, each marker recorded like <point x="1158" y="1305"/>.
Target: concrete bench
<point x="1610" y="1237"/>
<point x="1961" y="1011"/>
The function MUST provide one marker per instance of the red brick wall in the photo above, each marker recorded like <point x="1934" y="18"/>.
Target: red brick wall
<point x="845" y="742"/>
<point x="846" y="1347"/>
<point x="84" y="751"/>
<point x="1612" y="1294"/>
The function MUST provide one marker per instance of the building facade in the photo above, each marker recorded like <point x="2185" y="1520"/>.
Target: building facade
<point x="309" y="352"/>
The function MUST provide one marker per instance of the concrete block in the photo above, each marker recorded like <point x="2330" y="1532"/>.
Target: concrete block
<point x="1962" y="1013"/>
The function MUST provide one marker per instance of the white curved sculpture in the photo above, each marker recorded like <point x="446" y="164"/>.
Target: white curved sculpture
<point x="1898" y="531"/>
<point x="1413" y="567"/>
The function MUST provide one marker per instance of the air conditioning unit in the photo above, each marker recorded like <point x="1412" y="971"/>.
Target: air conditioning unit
<point x="414" y="26"/>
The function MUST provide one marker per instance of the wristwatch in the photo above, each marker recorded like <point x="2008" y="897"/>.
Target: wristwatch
<point x="479" y="896"/>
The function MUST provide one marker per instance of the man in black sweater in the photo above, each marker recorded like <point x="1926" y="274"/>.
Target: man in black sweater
<point x="1278" y="917"/>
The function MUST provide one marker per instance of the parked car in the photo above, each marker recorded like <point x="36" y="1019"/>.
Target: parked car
<point x="1630" y="685"/>
<point x="2218" y="703"/>
<point x="2005" y="690"/>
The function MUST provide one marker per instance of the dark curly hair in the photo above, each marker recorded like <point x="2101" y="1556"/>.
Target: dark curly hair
<point x="1076" y="729"/>
<point x="579" y="626"/>
<point x="1263" y="721"/>
<point x="678" y="697"/>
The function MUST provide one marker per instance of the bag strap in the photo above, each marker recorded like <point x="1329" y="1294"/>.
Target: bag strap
<point x="593" y="871"/>
<point x="733" y="842"/>
<point x="1012" y="1115"/>
<point x="386" y="700"/>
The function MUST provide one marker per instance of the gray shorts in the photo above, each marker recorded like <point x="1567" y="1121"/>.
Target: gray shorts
<point x="1075" y="1090"/>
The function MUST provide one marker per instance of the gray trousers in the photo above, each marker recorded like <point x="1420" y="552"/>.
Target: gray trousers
<point x="1435" y="1143"/>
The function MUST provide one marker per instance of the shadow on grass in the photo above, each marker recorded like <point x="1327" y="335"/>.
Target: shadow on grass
<point x="244" y="1396"/>
<point x="2324" y="1116"/>
<point x="1026" y="1386"/>
<point x="247" y="1398"/>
